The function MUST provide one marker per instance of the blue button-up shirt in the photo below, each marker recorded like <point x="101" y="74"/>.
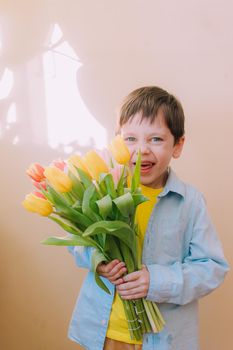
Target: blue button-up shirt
<point x="185" y="261"/>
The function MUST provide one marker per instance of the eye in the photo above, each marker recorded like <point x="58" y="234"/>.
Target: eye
<point x="130" y="139"/>
<point x="156" y="139"/>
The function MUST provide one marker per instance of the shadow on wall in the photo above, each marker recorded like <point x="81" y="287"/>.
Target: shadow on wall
<point x="100" y="61"/>
<point x="35" y="278"/>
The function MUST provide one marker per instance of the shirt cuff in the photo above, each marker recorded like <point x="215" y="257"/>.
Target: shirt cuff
<point x="165" y="282"/>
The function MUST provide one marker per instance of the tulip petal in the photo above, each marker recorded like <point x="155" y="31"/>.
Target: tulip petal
<point x="37" y="205"/>
<point x="58" y="179"/>
<point x="95" y="164"/>
<point x="119" y="150"/>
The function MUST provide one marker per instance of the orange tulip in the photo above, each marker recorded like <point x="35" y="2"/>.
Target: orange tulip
<point x="119" y="150"/>
<point x="36" y="172"/>
<point x="95" y="164"/>
<point x="38" y="205"/>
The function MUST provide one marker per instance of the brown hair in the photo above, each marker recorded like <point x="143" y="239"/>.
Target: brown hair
<point x="149" y="101"/>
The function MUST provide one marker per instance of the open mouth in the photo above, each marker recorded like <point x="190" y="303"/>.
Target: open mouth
<point x="146" y="166"/>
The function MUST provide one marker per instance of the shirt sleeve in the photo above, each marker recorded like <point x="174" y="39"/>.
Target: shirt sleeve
<point x="82" y="256"/>
<point x="200" y="272"/>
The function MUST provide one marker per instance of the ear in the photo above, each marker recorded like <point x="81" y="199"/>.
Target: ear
<point x="178" y="147"/>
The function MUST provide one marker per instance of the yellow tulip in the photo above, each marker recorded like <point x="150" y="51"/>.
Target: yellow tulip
<point x="95" y="164"/>
<point x="119" y="150"/>
<point x="58" y="179"/>
<point x="77" y="161"/>
<point x="37" y="205"/>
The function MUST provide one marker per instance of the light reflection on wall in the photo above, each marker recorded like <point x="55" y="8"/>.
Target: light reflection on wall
<point x="6" y="83"/>
<point x="68" y="120"/>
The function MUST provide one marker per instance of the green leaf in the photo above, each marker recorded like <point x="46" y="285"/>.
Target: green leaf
<point x="67" y="226"/>
<point x="136" y="175"/>
<point x="77" y="188"/>
<point x="46" y="194"/>
<point x="77" y="206"/>
<point x="90" y="195"/>
<point x="68" y="212"/>
<point x="105" y="206"/>
<point x="73" y="240"/>
<point x="108" y="179"/>
<point x="96" y="259"/>
<point x="120" y="185"/>
<point x="138" y="199"/>
<point x="119" y="229"/>
<point x="103" y="187"/>
<point x="85" y="179"/>
<point x="68" y="198"/>
<point x="130" y="262"/>
<point x="125" y="204"/>
<point x="112" y="248"/>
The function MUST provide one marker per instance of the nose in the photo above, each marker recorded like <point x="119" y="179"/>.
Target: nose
<point x="144" y="147"/>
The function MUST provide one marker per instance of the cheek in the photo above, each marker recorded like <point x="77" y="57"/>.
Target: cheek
<point x="163" y="155"/>
<point x="131" y="151"/>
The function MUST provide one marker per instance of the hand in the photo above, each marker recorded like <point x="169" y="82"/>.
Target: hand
<point x="113" y="271"/>
<point x="136" y="284"/>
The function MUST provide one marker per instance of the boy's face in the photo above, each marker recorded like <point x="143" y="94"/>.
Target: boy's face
<point x="157" y="148"/>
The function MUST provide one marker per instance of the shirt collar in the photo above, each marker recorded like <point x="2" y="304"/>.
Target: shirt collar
<point x="173" y="184"/>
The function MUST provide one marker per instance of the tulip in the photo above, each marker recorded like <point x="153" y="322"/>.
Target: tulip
<point x="36" y="172"/>
<point x="95" y="164"/>
<point x="116" y="173"/>
<point x="57" y="179"/>
<point x="119" y="150"/>
<point x="60" y="164"/>
<point x="38" y="194"/>
<point x="39" y="185"/>
<point x="38" y="205"/>
<point x="78" y="162"/>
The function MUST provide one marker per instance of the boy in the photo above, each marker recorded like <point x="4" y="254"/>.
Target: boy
<point x="181" y="255"/>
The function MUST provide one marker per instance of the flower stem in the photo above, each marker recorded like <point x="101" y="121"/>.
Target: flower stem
<point x="133" y="325"/>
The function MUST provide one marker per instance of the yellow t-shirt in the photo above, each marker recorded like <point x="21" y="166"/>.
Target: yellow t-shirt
<point x="117" y="326"/>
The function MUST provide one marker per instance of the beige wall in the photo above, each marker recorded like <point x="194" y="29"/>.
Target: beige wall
<point x="113" y="47"/>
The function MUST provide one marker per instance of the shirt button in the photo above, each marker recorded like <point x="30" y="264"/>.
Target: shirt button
<point x="103" y="322"/>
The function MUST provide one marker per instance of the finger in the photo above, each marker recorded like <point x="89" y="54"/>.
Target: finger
<point x="105" y="268"/>
<point x="137" y="292"/>
<point x="138" y="295"/>
<point x="133" y="276"/>
<point x="119" y="273"/>
<point x="126" y="286"/>
<point x="117" y="270"/>
<point x="118" y="281"/>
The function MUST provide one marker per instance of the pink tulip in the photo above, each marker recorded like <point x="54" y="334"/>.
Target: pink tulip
<point x="116" y="173"/>
<point x="40" y="185"/>
<point x="39" y="194"/>
<point x="60" y="164"/>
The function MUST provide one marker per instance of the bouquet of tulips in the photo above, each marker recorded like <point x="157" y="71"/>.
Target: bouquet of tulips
<point x="92" y="201"/>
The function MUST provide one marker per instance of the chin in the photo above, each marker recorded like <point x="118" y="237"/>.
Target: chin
<point x="145" y="181"/>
